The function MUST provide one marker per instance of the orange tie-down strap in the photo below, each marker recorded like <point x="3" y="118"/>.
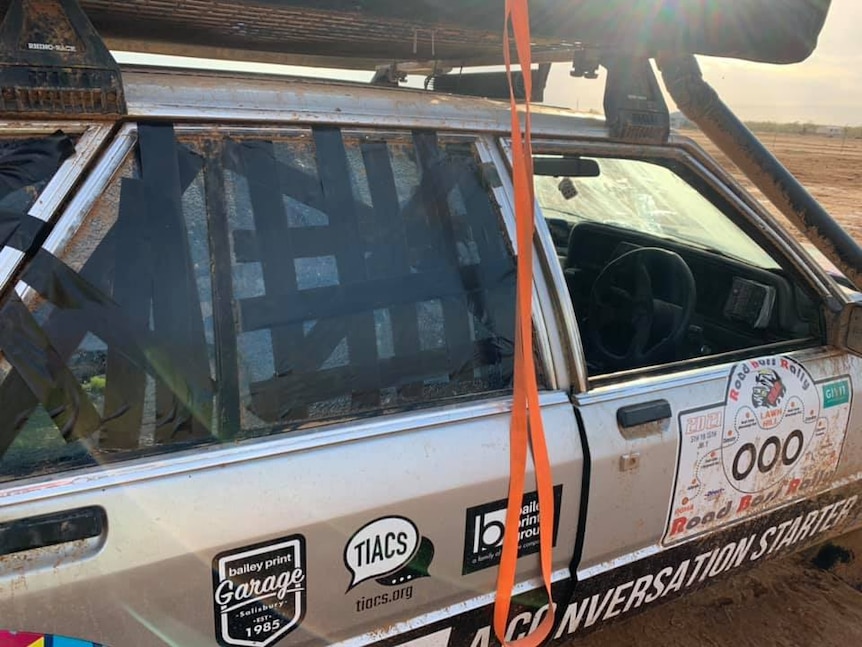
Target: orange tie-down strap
<point x="526" y="431"/>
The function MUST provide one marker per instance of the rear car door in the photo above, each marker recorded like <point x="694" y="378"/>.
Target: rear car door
<point x="722" y="425"/>
<point x="255" y="390"/>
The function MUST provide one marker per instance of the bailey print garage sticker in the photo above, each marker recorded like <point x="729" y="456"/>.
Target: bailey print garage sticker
<point x="259" y="592"/>
<point x="776" y="437"/>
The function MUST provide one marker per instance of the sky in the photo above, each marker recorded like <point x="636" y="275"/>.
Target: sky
<point x="824" y="89"/>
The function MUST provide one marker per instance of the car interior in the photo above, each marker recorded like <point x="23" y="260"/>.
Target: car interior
<point x="656" y="277"/>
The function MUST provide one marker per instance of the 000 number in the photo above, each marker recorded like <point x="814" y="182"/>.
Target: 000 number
<point x="766" y="457"/>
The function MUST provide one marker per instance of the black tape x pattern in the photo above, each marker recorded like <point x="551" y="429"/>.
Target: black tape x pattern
<point x="142" y="265"/>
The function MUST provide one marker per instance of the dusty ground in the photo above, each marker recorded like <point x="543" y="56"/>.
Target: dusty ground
<point x="787" y="603"/>
<point x="792" y="602"/>
<point x="830" y="168"/>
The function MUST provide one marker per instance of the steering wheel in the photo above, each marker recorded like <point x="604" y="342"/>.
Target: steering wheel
<point x="627" y="325"/>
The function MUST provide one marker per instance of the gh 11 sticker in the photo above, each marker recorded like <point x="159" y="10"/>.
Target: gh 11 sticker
<point x="388" y="550"/>
<point x="486" y="524"/>
<point x="777" y="437"/>
<point x="259" y="592"/>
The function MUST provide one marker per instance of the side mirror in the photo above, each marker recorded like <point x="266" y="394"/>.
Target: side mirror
<point x="853" y="317"/>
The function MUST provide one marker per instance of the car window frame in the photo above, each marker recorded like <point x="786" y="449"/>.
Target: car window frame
<point x="749" y="215"/>
<point x="91" y="139"/>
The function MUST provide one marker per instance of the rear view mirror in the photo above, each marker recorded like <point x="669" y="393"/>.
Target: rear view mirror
<point x="565" y="167"/>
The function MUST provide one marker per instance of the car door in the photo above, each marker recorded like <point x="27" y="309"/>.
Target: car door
<point x="255" y="390"/>
<point x="722" y="424"/>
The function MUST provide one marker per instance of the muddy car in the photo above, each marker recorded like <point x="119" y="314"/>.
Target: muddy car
<point x="257" y="333"/>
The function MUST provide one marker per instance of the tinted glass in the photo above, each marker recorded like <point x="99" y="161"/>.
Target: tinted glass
<point x="242" y="284"/>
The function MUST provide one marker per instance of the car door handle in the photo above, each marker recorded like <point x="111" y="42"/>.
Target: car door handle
<point x="642" y="413"/>
<point x="51" y="529"/>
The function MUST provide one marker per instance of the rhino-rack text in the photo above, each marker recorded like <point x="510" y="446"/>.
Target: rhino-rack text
<point x="50" y="47"/>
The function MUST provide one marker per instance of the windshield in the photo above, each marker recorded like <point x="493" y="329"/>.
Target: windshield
<point x="648" y="198"/>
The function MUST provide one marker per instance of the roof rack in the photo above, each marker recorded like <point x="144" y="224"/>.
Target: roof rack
<point x="367" y="34"/>
<point x="54" y="56"/>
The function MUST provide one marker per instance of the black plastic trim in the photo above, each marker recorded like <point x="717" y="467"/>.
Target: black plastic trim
<point x="642" y="413"/>
<point x="52" y="529"/>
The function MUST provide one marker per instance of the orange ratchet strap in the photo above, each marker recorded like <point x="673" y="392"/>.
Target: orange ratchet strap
<point x="526" y="431"/>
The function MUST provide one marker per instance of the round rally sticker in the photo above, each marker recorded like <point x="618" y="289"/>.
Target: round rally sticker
<point x="771" y="416"/>
<point x="777" y="436"/>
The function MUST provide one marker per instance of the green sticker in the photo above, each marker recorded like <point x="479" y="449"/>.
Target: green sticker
<point x="836" y="393"/>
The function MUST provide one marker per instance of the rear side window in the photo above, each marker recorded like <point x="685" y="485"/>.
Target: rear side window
<point x="241" y="284"/>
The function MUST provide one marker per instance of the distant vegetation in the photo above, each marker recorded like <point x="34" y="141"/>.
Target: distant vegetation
<point x="805" y="128"/>
<point x="795" y="128"/>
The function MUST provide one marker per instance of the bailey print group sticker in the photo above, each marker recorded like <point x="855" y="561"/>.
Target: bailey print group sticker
<point x="259" y="592"/>
<point x="777" y="437"/>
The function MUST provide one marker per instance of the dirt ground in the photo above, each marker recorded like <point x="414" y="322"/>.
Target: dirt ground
<point x="786" y="603"/>
<point x="829" y="167"/>
<point x="791" y="602"/>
